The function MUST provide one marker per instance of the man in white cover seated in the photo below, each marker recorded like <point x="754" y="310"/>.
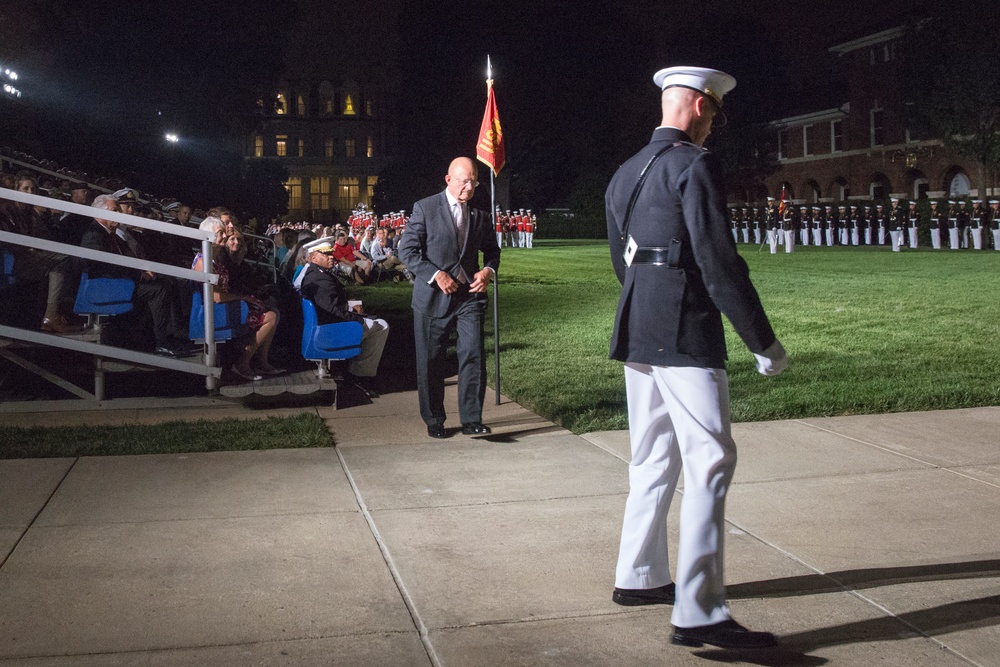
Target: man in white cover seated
<point x="321" y="285"/>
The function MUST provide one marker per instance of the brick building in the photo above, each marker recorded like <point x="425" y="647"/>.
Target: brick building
<point x="864" y="148"/>
<point x="334" y="125"/>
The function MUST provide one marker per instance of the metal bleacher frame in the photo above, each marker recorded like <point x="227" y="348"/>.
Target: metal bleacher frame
<point x="207" y="367"/>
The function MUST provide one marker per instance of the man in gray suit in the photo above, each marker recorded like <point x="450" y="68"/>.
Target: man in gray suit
<point x="441" y="247"/>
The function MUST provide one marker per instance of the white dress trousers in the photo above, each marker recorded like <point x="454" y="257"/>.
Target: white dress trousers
<point x="996" y="239"/>
<point x="977" y="238"/>
<point x="913" y="236"/>
<point x="678" y="421"/>
<point x="935" y="238"/>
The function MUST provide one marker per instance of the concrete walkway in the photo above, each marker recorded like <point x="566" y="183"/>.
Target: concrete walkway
<point x="859" y="540"/>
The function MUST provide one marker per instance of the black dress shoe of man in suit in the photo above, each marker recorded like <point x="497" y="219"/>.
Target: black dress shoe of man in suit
<point x="633" y="597"/>
<point x="475" y="428"/>
<point x="436" y="431"/>
<point x="727" y="634"/>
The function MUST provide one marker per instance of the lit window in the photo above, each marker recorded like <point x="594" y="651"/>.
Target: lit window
<point x="302" y="147"/>
<point x="349" y="149"/>
<point x="349" y="106"/>
<point x="836" y="136"/>
<point x="281" y="145"/>
<point x="294" y="187"/>
<point x="319" y="193"/>
<point x="282" y="107"/>
<point x="368" y="107"/>
<point x="347" y="193"/>
<point x="328" y="147"/>
<point x="781" y="154"/>
<point x="372" y="182"/>
<point x="258" y="146"/>
<point x="370" y="151"/>
<point x="300" y="105"/>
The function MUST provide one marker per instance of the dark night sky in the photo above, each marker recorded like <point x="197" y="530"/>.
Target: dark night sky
<point x="573" y="79"/>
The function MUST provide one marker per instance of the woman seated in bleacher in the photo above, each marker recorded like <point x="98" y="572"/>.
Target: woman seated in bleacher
<point x="228" y="253"/>
<point x="31" y="265"/>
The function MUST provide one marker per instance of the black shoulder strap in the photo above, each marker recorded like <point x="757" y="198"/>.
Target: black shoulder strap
<point x="638" y="186"/>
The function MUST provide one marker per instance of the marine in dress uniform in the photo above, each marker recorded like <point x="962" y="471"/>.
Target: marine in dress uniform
<point x="953" y="238"/>
<point x="805" y="222"/>
<point x="914" y="219"/>
<point x="529" y="229"/>
<point x="938" y="218"/>
<point x="897" y="217"/>
<point x="734" y="223"/>
<point x="829" y="224"/>
<point x="817" y="225"/>
<point x="788" y="223"/>
<point x="745" y="222"/>
<point x="772" y="224"/>
<point x="498" y="225"/>
<point x="759" y="224"/>
<point x="843" y="222"/>
<point x="962" y="218"/>
<point x="995" y="222"/>
<point x="674" y="255"/>
<point x="980" y="215"/>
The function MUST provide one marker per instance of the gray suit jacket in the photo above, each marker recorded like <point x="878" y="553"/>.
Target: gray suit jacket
<point x="430" y="244"/>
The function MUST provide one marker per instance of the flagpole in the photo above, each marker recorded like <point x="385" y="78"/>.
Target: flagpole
<point x="496" y="283"/>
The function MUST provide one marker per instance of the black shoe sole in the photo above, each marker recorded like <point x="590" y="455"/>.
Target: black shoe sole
<point x="697" y="642"/>
<point x="633" y="601"/>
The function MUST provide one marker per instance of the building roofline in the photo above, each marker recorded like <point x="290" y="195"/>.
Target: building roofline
<point x="867" y="40"/>
<point x="812" y="117"/>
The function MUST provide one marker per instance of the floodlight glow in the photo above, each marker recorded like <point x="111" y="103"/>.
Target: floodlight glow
<point x="172" y="138"/>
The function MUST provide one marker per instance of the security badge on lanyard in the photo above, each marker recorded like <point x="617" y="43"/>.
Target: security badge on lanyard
<point x="630" y="249"/>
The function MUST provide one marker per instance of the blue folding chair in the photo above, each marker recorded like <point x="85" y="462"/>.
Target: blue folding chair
<point x="103" y="297"/>
<point x="230" y="318"/>
<point x="325" y="342"/>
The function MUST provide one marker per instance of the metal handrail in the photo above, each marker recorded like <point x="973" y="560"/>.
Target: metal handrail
<point x="205" y="276"/>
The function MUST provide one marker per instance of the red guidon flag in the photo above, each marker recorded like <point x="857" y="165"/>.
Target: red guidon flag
<point x="489" y="149"/>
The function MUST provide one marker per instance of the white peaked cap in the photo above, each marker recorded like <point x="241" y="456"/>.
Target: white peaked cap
<point x="711" y="82"/>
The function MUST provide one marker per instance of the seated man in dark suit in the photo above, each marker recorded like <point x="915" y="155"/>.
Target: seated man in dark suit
<point x="321" y="286"/>
<point x="159" y="296"/>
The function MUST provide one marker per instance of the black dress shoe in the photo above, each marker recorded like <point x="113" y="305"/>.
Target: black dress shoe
<point x="436" y="431"/>
<point x="633" y="597"/>
<point x="165" y="351"/>
<point x="475" y="428"/>
<point x="727" y="634"/>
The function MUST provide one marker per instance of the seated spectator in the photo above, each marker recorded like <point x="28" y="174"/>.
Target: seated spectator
<point x="286" y="239"/>
<point x="261" y="321"/>
<point x="366" y="242"/>
<point x="32" y="265"/>
<point x="161" y="297"/>
<point x="327" y="293"/>
<point x="350" y="264"/>
<point x="384" y="259"/>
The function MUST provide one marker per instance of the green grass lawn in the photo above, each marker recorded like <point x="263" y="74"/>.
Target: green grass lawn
<point x="306" y="430"/>
<point x="867" y="331"/>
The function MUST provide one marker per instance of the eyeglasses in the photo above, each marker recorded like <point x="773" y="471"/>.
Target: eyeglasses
<point x="474" y="184"/>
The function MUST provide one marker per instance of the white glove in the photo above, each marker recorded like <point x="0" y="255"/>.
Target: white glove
<point x="773" y="360"/>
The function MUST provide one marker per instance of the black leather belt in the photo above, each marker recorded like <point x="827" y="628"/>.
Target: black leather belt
<point x="650" y="255"/>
